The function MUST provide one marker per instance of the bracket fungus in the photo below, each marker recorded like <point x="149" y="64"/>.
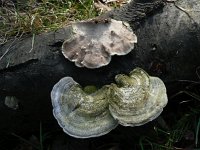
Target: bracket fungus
<point x="137" y="98"/>
<point x="134" y="100"/>
<point x="80" y="114"/>
<point x="92" y="43"/>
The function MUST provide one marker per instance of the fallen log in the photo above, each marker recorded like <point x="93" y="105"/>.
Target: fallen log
<point x="168" y="47"/>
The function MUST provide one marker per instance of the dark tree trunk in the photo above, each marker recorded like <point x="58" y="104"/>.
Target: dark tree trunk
<point x="168" y="46"/>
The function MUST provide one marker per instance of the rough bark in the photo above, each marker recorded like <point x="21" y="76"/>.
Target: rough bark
<point x="168" y="46"/>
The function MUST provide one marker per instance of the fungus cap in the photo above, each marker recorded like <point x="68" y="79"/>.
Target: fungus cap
<point x="80" y="114"/>
<point x="137" y="99"/>
<point x="93" y="42"/>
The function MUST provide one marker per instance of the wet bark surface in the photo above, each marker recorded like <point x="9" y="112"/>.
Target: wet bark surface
<point x="168" y="47"/>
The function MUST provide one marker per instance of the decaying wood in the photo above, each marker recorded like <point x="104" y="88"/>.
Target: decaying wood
<point x="168" y="46"/>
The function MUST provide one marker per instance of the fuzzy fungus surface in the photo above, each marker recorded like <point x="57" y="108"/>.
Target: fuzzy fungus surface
<point x="93" y="42"/>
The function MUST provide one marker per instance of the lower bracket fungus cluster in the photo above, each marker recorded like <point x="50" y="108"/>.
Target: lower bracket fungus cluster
<point x="92" y="42"/>
<point x="134" y="100"/>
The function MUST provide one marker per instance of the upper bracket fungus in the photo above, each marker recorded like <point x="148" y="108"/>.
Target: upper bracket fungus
<point x="93" y="42"/>
<point x="134" y="100"/>
<point x="80" y="114"/>
<point x="137" y="98"/>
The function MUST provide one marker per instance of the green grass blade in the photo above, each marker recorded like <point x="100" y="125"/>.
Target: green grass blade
<point x="41" y="137"/>
<point x="197" y="133"/>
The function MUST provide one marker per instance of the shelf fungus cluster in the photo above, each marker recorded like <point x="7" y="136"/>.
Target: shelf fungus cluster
<point x="134" y="100"/>
<point x="92" y="43"/>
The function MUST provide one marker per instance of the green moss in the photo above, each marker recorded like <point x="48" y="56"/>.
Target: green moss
<point x="90" y="89"/>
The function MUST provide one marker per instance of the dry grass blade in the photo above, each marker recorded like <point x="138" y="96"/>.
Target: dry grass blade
<point x="193" y="95"/>
<point x="26" y="141"/>
<point x="33" y="16"/>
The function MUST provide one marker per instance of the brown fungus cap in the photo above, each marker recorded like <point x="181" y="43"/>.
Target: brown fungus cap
<point x="93" y="42"/>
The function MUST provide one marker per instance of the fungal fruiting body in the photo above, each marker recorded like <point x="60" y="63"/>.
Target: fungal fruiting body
<point x="80" y="114"/>
<point x="137" y="99"/>
<point x="92" y="43"/>
<point x="134" y="100"/>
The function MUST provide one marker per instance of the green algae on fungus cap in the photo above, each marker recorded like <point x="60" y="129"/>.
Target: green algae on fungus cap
<point x="80" y="114"/>
<point x="137" y="98"/>
<point x="93" y="42"/>
<point x="134" y="100"/>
